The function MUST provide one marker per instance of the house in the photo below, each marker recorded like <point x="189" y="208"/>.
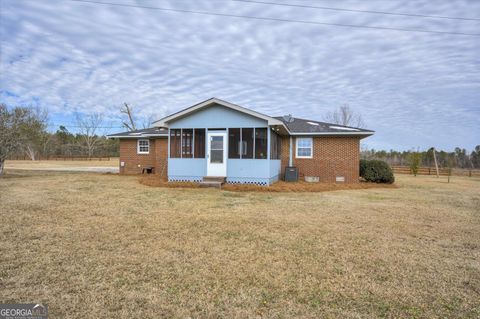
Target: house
<point x="216" y="138"/>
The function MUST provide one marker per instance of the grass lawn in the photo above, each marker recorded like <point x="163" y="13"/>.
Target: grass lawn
<point x="14" y="164"/>
<point x="106" y="246"/>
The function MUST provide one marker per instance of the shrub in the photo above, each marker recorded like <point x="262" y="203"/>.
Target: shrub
<point x="414" y="160"/>
<point x="363" y="165"/>
<point x="376" y="171"/>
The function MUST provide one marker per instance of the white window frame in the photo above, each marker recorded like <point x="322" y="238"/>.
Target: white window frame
<point x="296" y="147"/>
<point x="138" y="146"/>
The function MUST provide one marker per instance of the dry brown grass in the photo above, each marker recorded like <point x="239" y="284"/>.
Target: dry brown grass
<point x="113" y="162"/>
<point x="279" y="187"/>
<point x="105" y="246"/>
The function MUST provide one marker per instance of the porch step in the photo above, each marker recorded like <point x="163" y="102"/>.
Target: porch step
<point x="220" y="179"/>
<point x="211" y="184"/>
<point x="213" y="181"/>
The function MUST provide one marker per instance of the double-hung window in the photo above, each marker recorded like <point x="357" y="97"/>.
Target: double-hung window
<point x="143" y="146"/>
<point x="304" y="147"/>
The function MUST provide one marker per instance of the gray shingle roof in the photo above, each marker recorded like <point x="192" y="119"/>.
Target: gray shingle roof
<point x="148" y="132"/>
<point x="297" y="125"/>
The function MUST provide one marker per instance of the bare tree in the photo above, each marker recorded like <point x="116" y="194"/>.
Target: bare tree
<point x="35" y="133"/>
<point x="16" y="129"/>
<point x="344" y="115"/>
<point x="88" y="130"/>
<point x="147" y="121"/>
<point x="130" y="122"/>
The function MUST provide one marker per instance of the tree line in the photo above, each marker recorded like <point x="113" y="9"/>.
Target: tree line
<point x="23" y="133"/>
<point x="459" y="158"/>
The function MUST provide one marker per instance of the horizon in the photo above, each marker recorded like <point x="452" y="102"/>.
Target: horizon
<point x="416" y="90"/>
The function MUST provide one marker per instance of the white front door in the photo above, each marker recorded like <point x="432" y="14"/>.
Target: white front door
<point x="217" y="154"/>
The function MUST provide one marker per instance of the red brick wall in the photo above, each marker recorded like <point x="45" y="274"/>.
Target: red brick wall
<point x="133" y="162"/>
<point x="332" y="156"/>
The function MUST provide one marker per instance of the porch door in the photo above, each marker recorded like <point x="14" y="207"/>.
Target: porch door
<point x="217" y="154"/>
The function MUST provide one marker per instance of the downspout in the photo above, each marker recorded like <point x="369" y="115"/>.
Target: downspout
<point x="290" y="154"/>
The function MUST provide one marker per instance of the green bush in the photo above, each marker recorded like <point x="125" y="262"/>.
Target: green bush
<point x="363" y="165"/>
<point x="376" y="171"/>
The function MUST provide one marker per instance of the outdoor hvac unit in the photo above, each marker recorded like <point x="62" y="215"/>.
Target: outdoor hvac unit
<point x="291" y="174"/>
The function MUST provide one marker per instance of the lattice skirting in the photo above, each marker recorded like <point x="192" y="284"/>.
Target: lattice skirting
<point x="196" y="179"/>
<point x="248" y="181"/>
<point x="230" y="180"/>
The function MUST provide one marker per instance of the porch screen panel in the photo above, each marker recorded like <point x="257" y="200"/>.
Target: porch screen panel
<point x="234" y="143"/>
<point x="199" y="143"/>
<point x="187" y="143"/>
<point x="261" y="143"/>
<point x="274" y="146"/>
<point x="175" y="143"/>
<point x="247" y="143"/>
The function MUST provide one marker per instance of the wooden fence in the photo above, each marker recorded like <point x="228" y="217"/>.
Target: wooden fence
<point x="61" y="158"/>
<point x="441" y="171"/>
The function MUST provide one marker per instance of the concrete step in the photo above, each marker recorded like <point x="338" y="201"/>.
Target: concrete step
<point x="220" y="179"/>
<point x="213" y="184"/>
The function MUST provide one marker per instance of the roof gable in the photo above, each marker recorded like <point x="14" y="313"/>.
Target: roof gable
<point x="214" y="101"/>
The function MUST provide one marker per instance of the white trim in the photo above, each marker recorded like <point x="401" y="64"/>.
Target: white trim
<point x="138" y="136"/>
<point x="296" y="147"/>
<point x="331" y="133"/>
<point x="138" y="146"/>
<point x="289" y="133"/>
<point x="163" y="122"/>
<point x="217" y="169"/>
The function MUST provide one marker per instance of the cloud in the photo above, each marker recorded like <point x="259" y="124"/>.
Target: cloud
<point x="414" y="89"/>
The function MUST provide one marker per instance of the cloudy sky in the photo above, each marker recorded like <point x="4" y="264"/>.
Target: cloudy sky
<point x="414" y="89"/>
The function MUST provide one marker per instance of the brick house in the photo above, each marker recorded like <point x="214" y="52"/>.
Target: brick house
<point x="216" y="138"/>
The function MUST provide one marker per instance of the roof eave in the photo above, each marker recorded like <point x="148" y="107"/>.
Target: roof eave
<point x="333" y="133"/>
<point x="135" y="136"/>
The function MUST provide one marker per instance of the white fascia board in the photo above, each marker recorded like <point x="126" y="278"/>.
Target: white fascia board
<point x="333" y="133"/>
<point x="163" y="122"/>
<point x="136" y="136"/>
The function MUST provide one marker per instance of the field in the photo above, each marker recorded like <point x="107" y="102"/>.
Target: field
<point x="106" y="246"/>
<point x="50" y="164"/>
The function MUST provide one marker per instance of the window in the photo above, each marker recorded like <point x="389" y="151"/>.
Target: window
<point x="216" y="149"/>
<point x="247" y="143"/>
<point x="187" y="143"/>
<point x="261" y="143"/>
<point x="175" y="143"/>
<point x="234" y="143"/>
<point x="304" y="147"/>
<point x="199" y="143"/>
<point x="143" y="146"/>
